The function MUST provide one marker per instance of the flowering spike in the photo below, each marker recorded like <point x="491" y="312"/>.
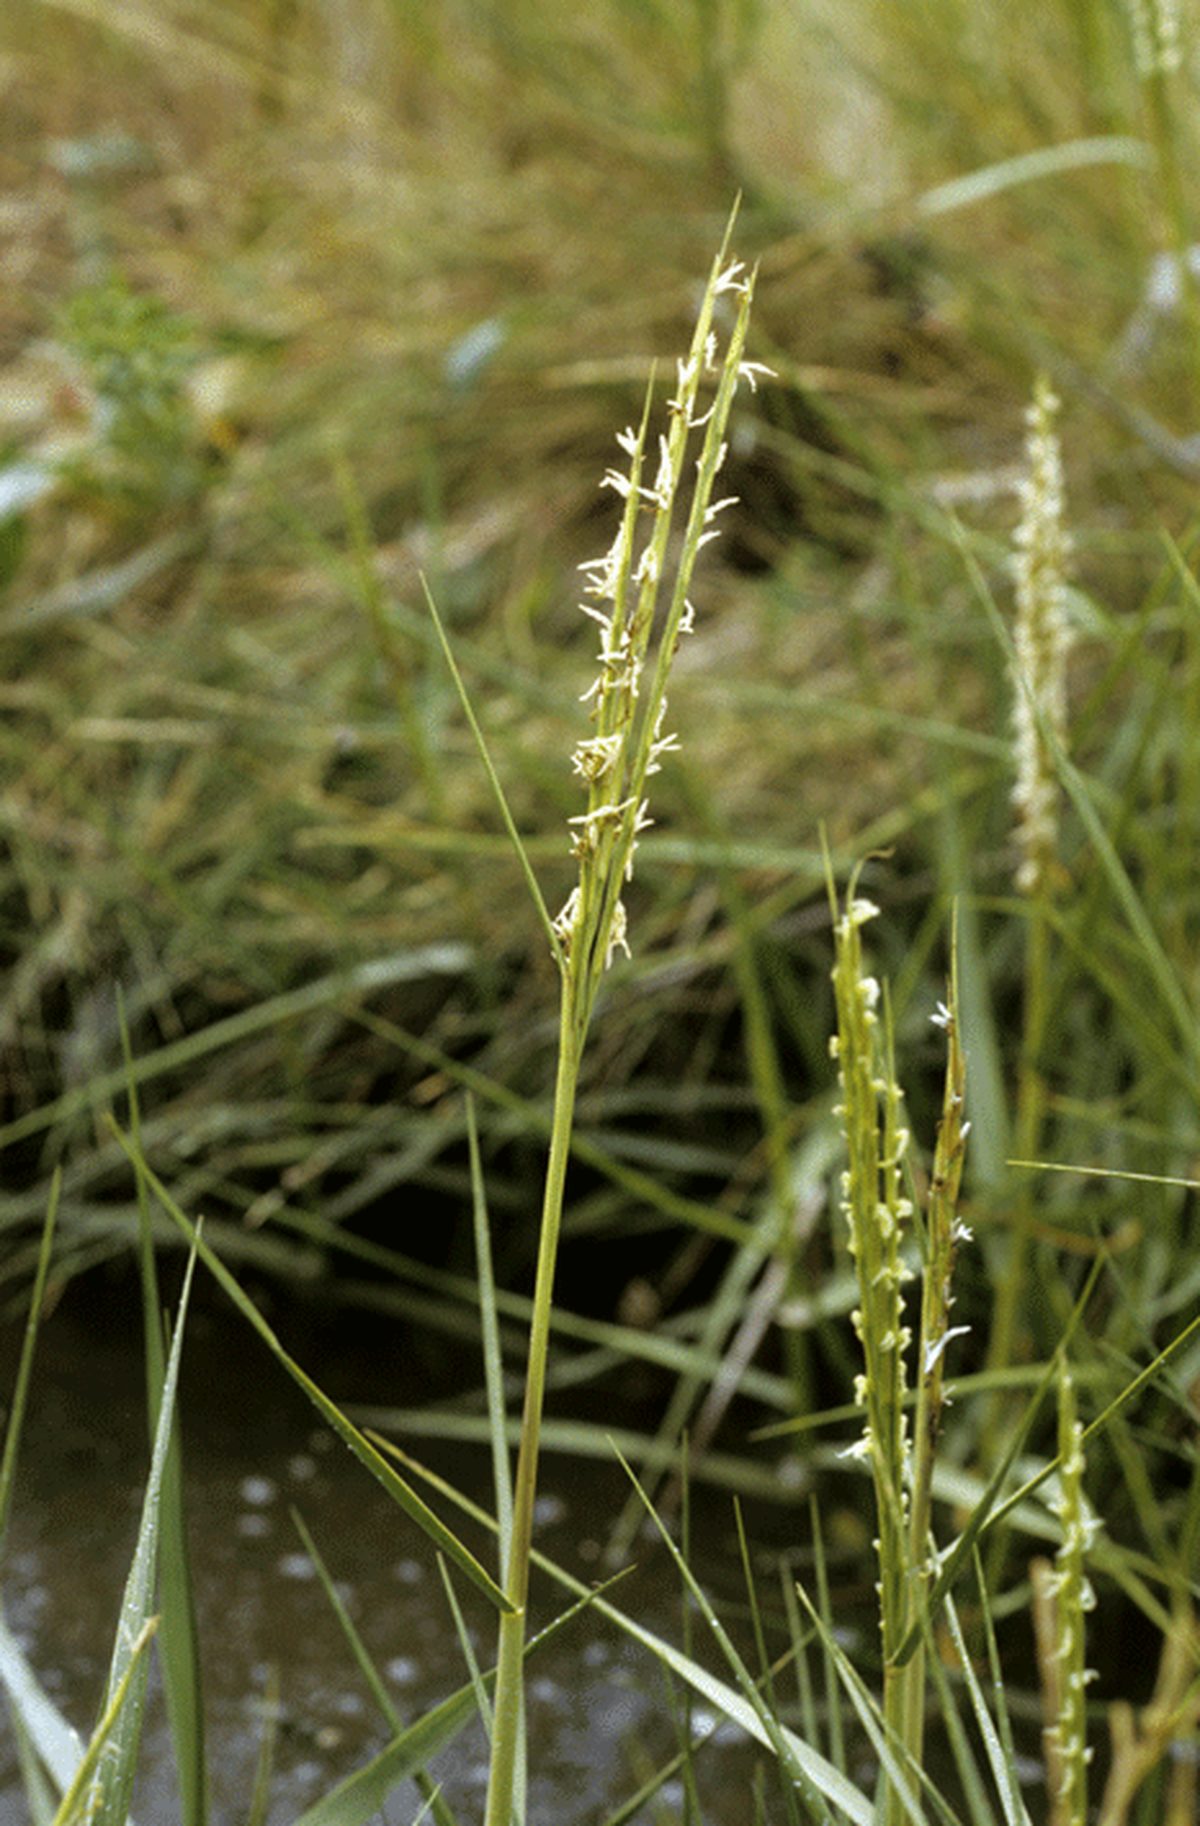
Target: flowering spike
<point x="1041" y="640"/>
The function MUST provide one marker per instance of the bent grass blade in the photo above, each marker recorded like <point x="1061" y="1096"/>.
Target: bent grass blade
<point x="406" y="1498"/>
<point x="76" y="1808"/>
<point x="358" y="1799"/>
<point x="109" y="1793"/>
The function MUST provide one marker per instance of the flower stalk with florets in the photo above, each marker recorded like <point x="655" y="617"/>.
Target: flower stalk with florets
<point x="1070" y="1591"/>
<point x="638" y="595"/>
<point x="1042" y="639"/>
<point x="877" y="1213"/>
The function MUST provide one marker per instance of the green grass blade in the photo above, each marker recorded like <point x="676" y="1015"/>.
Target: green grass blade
<point x="78" y="1806"/>
<point x="347" y="1432"/>
<point x="1027" y="167"/>
<point x="264" y="1763"/>
<point x="345" y="1621"/>
<point x="716" y="1694"/>
<point x="16" y="1416"/>
<point x="970" y="1776"/>
<point x="805" y="1770"/>
<point x="483" y="1704"/>
<point x="110" y="1791"/>
<point x="362" y="1795"/>
<point x="442" y="1812"/>
<point x="493" y="1366"/>
<point x="1010" y="1800"/>
<point x="1102" y="1419"/>
<point x="833" y="1686"/>
<point x="642" y="1187"/>
<point x="39" y="1795"/>
<point x="1013" y="1799"/>
<point x="56" y="1742"/>
<point x="895" y="1762"/>
<point x="535" y="892"/>
<point x="178" y="1640"/>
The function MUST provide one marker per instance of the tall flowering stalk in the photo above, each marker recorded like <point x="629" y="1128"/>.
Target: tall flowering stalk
<point x="877" y="1213"/>
<point x="638" y="595"/>
<point x="1069" y="1596"/>
<point x="1041" y="641"/>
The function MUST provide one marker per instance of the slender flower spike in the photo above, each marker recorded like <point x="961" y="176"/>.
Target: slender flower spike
<point x="642" y="587"/>
<point x="876" y="1212"/>
<point x="1041" y="640"/>
<point x="1073" y="1598"/>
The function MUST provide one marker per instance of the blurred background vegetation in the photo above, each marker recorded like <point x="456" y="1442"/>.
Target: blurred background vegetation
<point x="306" y="297"/>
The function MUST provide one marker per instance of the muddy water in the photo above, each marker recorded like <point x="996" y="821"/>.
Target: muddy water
<point x="596" y="1717"/>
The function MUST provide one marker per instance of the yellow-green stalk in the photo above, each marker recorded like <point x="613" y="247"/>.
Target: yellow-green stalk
<point x="944" y="1230"/>
<point x="876" y="1212"/>
<point x="1069" y="1753"/>
<point x="638" y="595"/>
<point x="1041" y="641"/>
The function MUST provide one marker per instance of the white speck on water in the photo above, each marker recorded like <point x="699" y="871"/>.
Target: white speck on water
<point x="258" y="1490"/>
<point x="302" y="1468"/>
<point x="548" y="1510"/>
<point x="408" y="1572"/>
<point x="596" y="1654"/>
<point x="401" y="1671"/>
<point x="295" y="1566"/>
<point x="467" y="358"/>
<point x="252" y="1527"/>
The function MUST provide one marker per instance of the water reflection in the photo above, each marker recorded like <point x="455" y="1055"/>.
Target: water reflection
<point x="596" y="1716"/>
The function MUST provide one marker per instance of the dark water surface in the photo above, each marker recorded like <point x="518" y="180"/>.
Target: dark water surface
<point x="597" y="1718"/>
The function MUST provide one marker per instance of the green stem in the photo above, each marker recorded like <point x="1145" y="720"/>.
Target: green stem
<point x="507" y="1718"/>
<point x="1030" y="1104"/>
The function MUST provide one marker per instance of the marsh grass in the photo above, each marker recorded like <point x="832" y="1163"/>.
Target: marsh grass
<point x="239" y="789"/>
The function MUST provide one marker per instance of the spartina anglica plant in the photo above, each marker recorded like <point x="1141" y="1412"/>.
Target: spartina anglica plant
<point x="638" y="595"/>
<point x="878" y="1212"/>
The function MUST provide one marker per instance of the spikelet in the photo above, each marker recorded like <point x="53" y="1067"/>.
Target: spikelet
<point x="1042" y="640"/>
<point x="1154" y="28"/>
